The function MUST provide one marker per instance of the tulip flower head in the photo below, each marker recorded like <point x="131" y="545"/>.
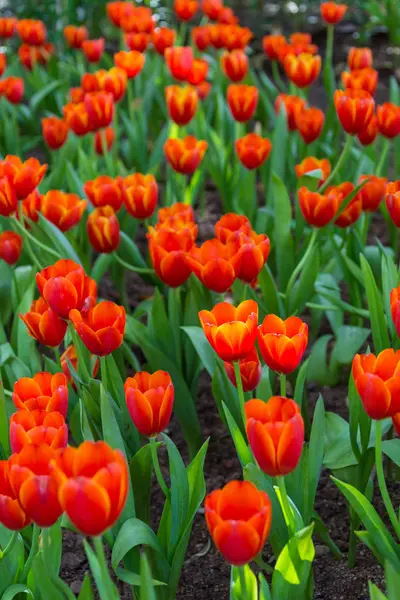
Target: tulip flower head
<point x="309" y="123"/>
<point x="310" y="164"/>
<point x="105" y="191"/>
<point x="93" y="49"/>
<point x="319" y="209"/>
<point x="44" y="391"/>
<point x="63" y="210"/>
<point x="12" y="88"/>
<point x="242" y="101"/>
<point x="137" y="41"/>
<point x="103" y="229"/>
<point x="359" y="58"/>
<point x="271" y="43"/>
<point x="212" y="265"/>
<point x="302" y="70"/>
<point x="10" y="247"/>
<point x="250" y="371"/>
<point x="185" y="155"/>
<point x="235" y="65"/>
<point x="131" y="62"/>
<point x="185" y="9"/>
<point x="181" y="103"/>
<point x="101" y="328"/>
<point x="395" y="308"/>
<point x="293" y="105"/>
<point x="229" y="223"/>
<point x="7" y="27"/>
<point x="150" y="399"/>
<point x="12" y="515"/>
<point x="104" y="140"/>
<point x="169" y="255"/>
<point x="75" y="36"/>
<point x="249" y="253"/>
<point x="23" y="176"/>
<point x="55" y="132"/>
<point x="162" y="39"/>
<point x="38" y="427"/>
<point x="332" y="13"/>
<point x="388" y="115"/>
<point x="373" y="192"/>
<point x="361" y="79"/>
<point x="368" y="135"/>
<point x="354" y="109"/>
<point x="201" y="37"/>
<point x="392" y="199"/>
<point x="377" y="380"/>
<point x="32" y="32"/>
<point x="253" y="150"/>
<point x="282" y="343"/>
<point x="179" y="60"/>
<point x="44" y="325"/>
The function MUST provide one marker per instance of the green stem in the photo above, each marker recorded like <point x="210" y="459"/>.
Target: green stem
<point x="301" y="263"/>
<point x="340" y="162"/>
<point x="243" y="586"/>
<point x="33" y="239"/>
<point x="282" y="378"/>
<point x="239" y="385"/>
<point x="15" y="282"/>
<point x="10" y="545"/>
<point x="157" y="469"/>
<point x="32" y="553"/>
<point x="381" y="480"/>
<point x="130" y="267"/>
<point x="263" y="565"/>
<point x="277" y="77"/>
<point x="351" y="557"/>
<point x="106" y="154"/>
<point x="108" y="586"/>
<point x="288" y="513"/>
<point x="384" y="155"/>
<point x="57" y="355"/>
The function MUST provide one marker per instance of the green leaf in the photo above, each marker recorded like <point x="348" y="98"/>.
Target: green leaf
<point x="43" y="93"/>
<point x="141" y="469"/>
<point x="264" y="390"/>
<point x="338" y="452"/>
<point x="147" y="591"/>
<point x="349" y="341"/>
<point x="86" y="592"/>
<point x="282" y="239"/>
<point x="304" y="287"/>
<point x="378" y="322"/>
<point x="13" y="562"/>
<point x="251" y="589"/>
<point x="13" y="590"/>
<point x="203" y="348"/>
<point x="159" y="325"/>
<point x="265" y="593"/>
<point x="293" y="566"/>
<point x="392" y="449"/>
<point x="242" y="449"/>
<point x="316" y="455"/>
<point x="392" y="580"/>
<point x="300" y="382"/>
<point x="60" y="241"/>
<point x="269" y="292"/>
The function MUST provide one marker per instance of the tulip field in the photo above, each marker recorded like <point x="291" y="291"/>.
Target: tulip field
<point x="199" y="303"/>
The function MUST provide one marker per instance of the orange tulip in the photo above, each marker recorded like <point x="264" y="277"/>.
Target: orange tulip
<point x="137" y="41"/>
<point x="203" y="89"/>
<point x="229" y="223"/>
<point x="141" y="195"/>
<point x="181" y="103"/>
<point x="24" y="176"/>
<point x="92" y="486"/>
<point x="37" y="427"/>
<point x="361" y="79"/>
<point x="185" y="155"/>
<point x="55" y="132"/>
<point x="117" y="10"/>
<point x="201" y="37"/>
<point x="227" y="16"/>
<point x="93" y="49"/>
<point x="138" y="19"/>
<point x="3" y="63"/>
<point x="250" y="371"/>
<point x="179" y="60"/>
<point x="318" y="209"/>
<point x="11" y="514"/>
<point x="198" y="72"/>
<point x="150" y="400"/>
<point x="115" y="83"/>
<point x="271" y="43"/>
<point x="373" y="192"/>
<point x="177" y="224"/>
<point x="242" y="101"/>
<point x="275" y="430"/>
<point x="169" y="255"/>
<point x="162" y="39"/>
<point x="359" y="58"/>
<point x="354" y="109"/>
<point x="388" y="115"/>
<point x="92" y="82"/>
<point x="185" y="9"/>
<point x="353" y="210"/>
<point x="44" y="325"/>
<point x="12" y="88"/>
<point x="105" y="190"/>
<point x="231" y="331"/>
<point x="377" y="380"/>
<point x="249" y="253"/>
<point x="235" y="65"/>
<point x="333" y="13"/>
<point x="101" y="328"/>
<point x="10" y="247"/>
<point x="75" y="36"/>
<point x="44" y="391"/>
<point x="395" y="308"/>
<point x="61" y="209"/>
<point x="300" y="38"/>
<point x="313" y="164"/>
<point x="293" y="105"/>
<point x="216" y="35"/>
<point x="100" y="109"/>
<point x="239" y="519"/>
<point x="34" y="483"/>
<point x="392" y="199"/>
<point x="302" y="70"/>
<point x="8" y="198"/>
<point x="65" y="286"/>
<point x="131" y="62"/>
<point x="212" y="265"/>
<point x="370" y="132"/>
<point x="103" y="229"/>
<point x="32" y="32"/>
<point x="253" y="150"/>
<point x="178" y="209"/>
<point x="31" y="207"/>
<point x="77" y="117"/>
<point x="7" y="27"/>
<point x="70" y="356"/>
<point x="104" y="136"/>
<point x="235" y="37"/>
<point x="212" y="8"/>
<point x="285" y="50"/>
<point x="309" y="123"/>
<point x="282" y="343"/>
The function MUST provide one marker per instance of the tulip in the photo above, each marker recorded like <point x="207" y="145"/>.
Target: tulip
<point x="103" y="229"/>
<point x="198" y="72"/>
<point x="302" y="70"/>
<point x="31" y="207"/>
<point x="275" y="430"/>
<point x="105" y="190"/>
<point x="116" y="11"/>
<point x="44" y="325"/>
<point x="70" y="356"/>
<point x="235" y="65"/>
<point x="11" y="514"/>
<point x="249" y="253"/>
<point x="229" y="223"/>
<point x="61" y="209"/>
<point x="178" y="209"/>
<point x="253" y="150"/>
<point x="137" y="41"/>
<point x="55" y="132"/>
<point x="361" y="79"/>
<point x="359" y="58"/>
<point x="176" y="224"/>
<point x="309" y="123"/>
<point x="370" y="132"/>
<point x="181" y="103"/>
<point x="212" y="8"/>
<point x="150" y="400"/>
<point x="92" y="82"/>
<point x="10" y="247"/>
<point x="8" y="198"/>
<point x="185" y="9"/>
<point x="354" y="109"/>
<point x="227" y="16"/>
<point x="318" y="209"/>
<point x="104" y="137"/>
<point x="271" y="43"/>
<point x="7" y="27"/>
<point x="293" y="106"/>
<point x="101" y="328"/>
<point x="201" y="37"/>
<point x="239" y="519"/>
<point x="77" y="117"/>
<point x="212" y="265"/>
<point x="100" y="109"/>
<point x="34" y="483"/>
<point x="313" y="164"/>
<point x="131" y="62"/>
<point x="65" y="286"/>
<point x="373" y="192"/>
<point x="93" y="49"/>
<point x="395" y="308"/>
<point x="250" y="371"/>
<point x="179" y="60"/>
<point x="169" y="255"/>
<point x="377" y="380"/>
<point x="44" y="391"/>
<point x="235" y="37"/>
<point x="12" y="88"/>
<point x="162" y="39"/>
<point x="185" y="155"/>
<point x="115" y="83"/>
<point x="295" y="50"/>
<point x="141" y="195"/>
<point x="353" y="210"/>
<point x="333" y="13"/>
<point x="24" y="176"/>
<point x="37" y="427"/>
<point x="75" y="36"/>
<point x="138" y="19"/>
<point x="3" y="63"/>
<point x="32" y="32"/>
<point x="299" y="37"/>
<point x="392" y="199"/>
<point x="242" y="101"/>
<point x="282" y="343"/>
<point x="388" y="115"/>
<point x="231" y="331"/>
<point x="216" y="35"/>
